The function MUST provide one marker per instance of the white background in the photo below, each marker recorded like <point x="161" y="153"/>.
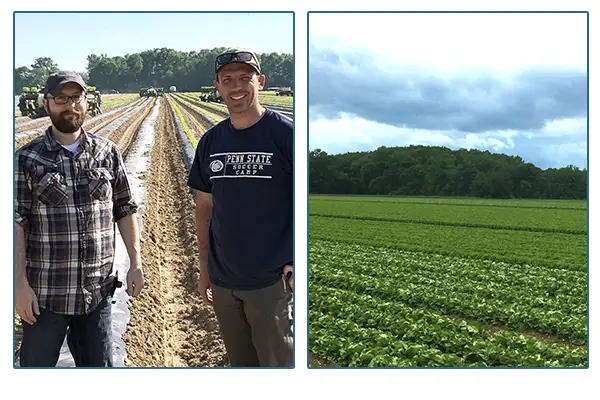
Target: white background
<point x="300" y="382"/>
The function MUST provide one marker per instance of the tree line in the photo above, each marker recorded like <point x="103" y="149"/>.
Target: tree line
<point x="439" y="171"/>
<point x="160" y="67"/>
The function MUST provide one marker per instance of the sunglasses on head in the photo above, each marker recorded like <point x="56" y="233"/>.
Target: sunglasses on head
<point x="242" y="56"/>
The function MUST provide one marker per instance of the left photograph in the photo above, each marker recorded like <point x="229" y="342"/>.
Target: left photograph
<point x="154" y="190"/>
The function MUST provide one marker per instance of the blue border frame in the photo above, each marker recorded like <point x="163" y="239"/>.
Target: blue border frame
<point x="294" y="176"/>
<point x="587" y="366"/>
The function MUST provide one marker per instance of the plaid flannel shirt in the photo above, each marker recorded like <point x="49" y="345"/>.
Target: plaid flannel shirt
<point x="68" y="204"/>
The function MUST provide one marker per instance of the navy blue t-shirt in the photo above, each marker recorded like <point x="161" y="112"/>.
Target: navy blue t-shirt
<point x="250" y="175"/>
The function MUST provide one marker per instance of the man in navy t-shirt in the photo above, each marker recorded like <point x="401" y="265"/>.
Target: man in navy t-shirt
<point x="243" y="172"/>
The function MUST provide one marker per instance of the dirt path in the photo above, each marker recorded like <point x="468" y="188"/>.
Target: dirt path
<point x="170" y="325"/>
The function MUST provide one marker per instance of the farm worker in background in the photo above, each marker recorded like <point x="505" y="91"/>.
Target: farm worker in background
<point x="243" y="172"/>
<point x="98" y="101"/>
<point x="71" y="188"/>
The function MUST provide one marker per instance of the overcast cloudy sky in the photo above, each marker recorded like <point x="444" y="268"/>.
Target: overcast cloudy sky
<point x="508" y="83"/>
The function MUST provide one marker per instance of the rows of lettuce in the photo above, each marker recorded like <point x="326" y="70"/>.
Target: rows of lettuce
<point x="382" y="306"/>
<point x="491" y="216"/>
<point x="539" y="249"/>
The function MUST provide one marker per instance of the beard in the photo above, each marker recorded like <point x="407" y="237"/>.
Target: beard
<point x="67" y="121"/>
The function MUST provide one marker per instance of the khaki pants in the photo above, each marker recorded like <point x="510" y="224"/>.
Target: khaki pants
<point x="255" y="325"/>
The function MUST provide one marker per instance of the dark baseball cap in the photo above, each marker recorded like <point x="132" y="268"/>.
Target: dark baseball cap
<point x="58" y="80"/>
<point x="237" y="55"/>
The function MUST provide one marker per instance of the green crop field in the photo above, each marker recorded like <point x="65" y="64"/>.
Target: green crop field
<point x="114" y="101"/>
<point x="265" y="97"/>
<point x="417" y="281"/>
<point x="272" y="98"/>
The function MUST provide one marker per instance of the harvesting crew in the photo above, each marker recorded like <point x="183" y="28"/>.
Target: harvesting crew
<point x="243" y="174"/>
<point x="71" y="189"/>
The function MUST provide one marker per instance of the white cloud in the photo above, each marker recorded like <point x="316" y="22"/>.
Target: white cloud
<point x="352" y="133"/>
<point x="564" y="127"/>
<point x="457" y="41"/>
<point x="474" y="141"/>
<point x="348" y="133"/>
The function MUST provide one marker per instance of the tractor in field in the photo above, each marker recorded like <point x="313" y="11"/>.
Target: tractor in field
<point x="285" y="91"/>
<point x="213" y="97"/>
<point x="160" y="91"/>
<point x="94" y="101"/>
<point x="152" y="92"/>
<point x="92" y="105"/>
<point x="144" y="92"/>
<point x="31" y="102"/>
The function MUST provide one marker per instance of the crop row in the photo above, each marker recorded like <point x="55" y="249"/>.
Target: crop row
<point x="348" y="343"/>
<point x="190" y="135"/>
<point x="518" y="247"/>
<point x="540" y="287"/>
<point x="454" y="223"/>
<point x="472" y="343"/>
<point x="214" y="112"/>
<point x="457" y="201"/>
<point x="560" y="315"/>
<point x="515" y="218"/>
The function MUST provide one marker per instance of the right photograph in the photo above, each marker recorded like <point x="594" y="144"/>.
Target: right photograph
<point x="448" y="190"/>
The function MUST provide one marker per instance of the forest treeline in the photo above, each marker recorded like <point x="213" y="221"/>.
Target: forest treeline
<point x="439" y="171"/>
<point x="160" y="67"/>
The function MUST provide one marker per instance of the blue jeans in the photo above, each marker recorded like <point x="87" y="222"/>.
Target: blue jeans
<point x="88" y="337"/>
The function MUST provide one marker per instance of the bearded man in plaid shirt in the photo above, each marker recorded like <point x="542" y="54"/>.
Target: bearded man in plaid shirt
<point x="71" y="189"/>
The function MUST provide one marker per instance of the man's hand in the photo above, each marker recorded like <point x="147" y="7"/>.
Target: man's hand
<point x="204" y="289"/>
<point x="27" y="303"/>
<point x="286" y="269"/>
<point x="135" y="280"/>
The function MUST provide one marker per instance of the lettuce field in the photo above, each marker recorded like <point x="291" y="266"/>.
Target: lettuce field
<point x="447" y="282"/>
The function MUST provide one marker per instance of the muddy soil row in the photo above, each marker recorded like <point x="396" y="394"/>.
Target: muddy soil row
<point x="169" y="324"/>
<point x="200" y="122"/>
<point x="124" y="136"/>
<point x="92" y="125"/>
<point x="218" y="111"/>
<point x="196" y="109"/>
<point x="193" y="122"/>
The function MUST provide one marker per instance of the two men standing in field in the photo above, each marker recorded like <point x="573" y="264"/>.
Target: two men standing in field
<point x="72" y="188"/>
<point x="243" y="175"/>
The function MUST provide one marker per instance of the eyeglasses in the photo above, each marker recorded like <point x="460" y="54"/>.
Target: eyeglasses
<point x="242" y="56"/>
<point x="65" y="99"/>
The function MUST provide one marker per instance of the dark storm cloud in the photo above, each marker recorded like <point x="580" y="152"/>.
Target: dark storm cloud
<point x="417" y="98"/>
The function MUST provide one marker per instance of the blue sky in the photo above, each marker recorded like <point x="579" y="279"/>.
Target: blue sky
<point x="69" y="38"/>
<point x="507" y="83"/>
